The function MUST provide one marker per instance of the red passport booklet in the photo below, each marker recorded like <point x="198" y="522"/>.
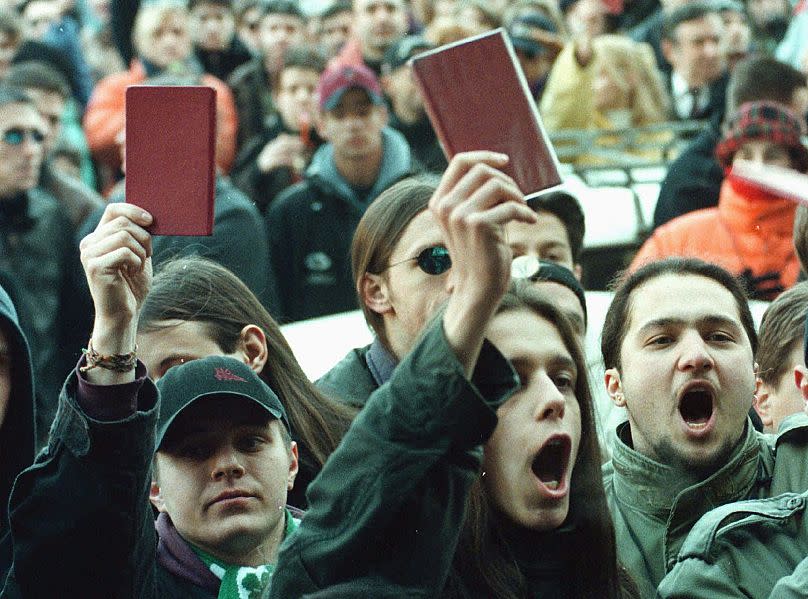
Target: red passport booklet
<point x="478" y="99"/>
<point x="170" y="161"/>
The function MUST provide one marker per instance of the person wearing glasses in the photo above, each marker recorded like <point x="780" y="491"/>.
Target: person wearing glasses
<point x="36" y="249"/>
<point x="401" y="271"/>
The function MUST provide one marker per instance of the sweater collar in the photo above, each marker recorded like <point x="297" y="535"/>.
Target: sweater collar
<point x="380" y="362"/>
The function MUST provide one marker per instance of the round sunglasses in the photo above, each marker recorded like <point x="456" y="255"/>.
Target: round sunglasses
<point x="433" y="260"/>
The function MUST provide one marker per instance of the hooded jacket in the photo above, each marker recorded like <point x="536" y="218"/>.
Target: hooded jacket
<point x="748" y="234"/>
<point x="17" y="427"/>
<point x="310" y="227"/>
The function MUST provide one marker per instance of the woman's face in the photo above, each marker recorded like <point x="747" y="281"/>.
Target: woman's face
<point x="528" y="461"/>
<point x="170" y="43"/>
<point x="174" y="342"/>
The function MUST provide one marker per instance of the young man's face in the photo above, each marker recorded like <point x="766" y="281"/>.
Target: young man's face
<point x="22" y="132"/>
<point x="698" y="54"/>
<point x="761" y="151"/>
<point x="687" y="376"/>
<point x="777" y="401"/>
<point x="277" y="33"/>
<point x="354" y="126"/>
<point x="411" y="295"/>
<point x="404" y="94"/>
<point x="335" y="32"/>
<point x="295" y="96"/>
<point x="546" y="239"/>
<point x="51" y="106"/>
<point x="378" y="24"/>
<point x="528" y="460"/>
<point x="222" y="475"/>
<point x="213" y="26"/>
<point x="170" y="43"/>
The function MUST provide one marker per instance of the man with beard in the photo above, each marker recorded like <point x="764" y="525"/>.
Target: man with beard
<point x="678" y="345"/>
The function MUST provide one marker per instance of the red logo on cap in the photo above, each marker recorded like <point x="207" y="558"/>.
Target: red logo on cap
<point x="224" y="374"/>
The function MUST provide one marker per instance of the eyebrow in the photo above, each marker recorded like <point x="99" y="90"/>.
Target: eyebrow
<point x="711" y="320"/>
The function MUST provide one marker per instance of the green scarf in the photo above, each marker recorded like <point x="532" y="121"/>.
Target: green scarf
<point x="244" y="582"/>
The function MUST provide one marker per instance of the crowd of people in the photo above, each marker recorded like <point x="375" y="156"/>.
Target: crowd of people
<point x="158" y="437"/>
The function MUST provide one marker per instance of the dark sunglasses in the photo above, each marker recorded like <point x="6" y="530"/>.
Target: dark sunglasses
<point x="16" y="135"/>
<point x="432" y="260"/>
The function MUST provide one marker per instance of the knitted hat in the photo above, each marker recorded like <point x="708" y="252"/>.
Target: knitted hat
<point x="530" y="267"/>
<point x="214" y="376"/>
<point x="766" y="120"/>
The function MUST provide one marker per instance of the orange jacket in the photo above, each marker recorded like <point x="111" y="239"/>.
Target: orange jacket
<point x="104" y="117"/>
<point x="749" y="229"/>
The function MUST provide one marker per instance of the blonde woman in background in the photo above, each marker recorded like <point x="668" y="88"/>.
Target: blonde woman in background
<point x="607" y="83"/>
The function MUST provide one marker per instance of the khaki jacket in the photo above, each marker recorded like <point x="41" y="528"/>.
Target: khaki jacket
<point x="655" y="506"/>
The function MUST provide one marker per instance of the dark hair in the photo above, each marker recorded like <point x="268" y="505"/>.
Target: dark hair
<point x="690" y="11"/>
<point x="304" y="56"/>
<point x="801" y="235"/>
<point x="567" y="209"/>
<point x="616" y="323"/>
<point x="781" y="330"/>
<point x="198" y="290"/>
<point x="240" y="7"/>
<point x="483" y="560"/>
<point x="282" y="7"/>
<point x="379" y="231"/>
<point x="336" y="8"/>
<point x="38" y="75"/>
<point x="13" y="95"/>
<point x="760" y="78"/>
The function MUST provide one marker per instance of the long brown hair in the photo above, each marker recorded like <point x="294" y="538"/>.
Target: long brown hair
<point x="199" y="290"/>
<point x="483" y="562"/>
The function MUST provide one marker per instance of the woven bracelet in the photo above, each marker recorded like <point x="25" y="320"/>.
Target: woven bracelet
<point x="115" y="362"/>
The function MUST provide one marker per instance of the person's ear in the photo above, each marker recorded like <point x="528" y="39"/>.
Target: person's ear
<point x="375" y="293"/>
<point x="578" y="272"/>
<point x="293" y="466"/>
<point x="801" y="380"/>
<point x="156" y="498"/>
<point x="253" y="344"/>
<point x="762" y="403"/>
<point x="614" y="387"/>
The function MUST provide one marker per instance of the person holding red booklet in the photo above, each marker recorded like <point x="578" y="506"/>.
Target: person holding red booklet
<point x="401" y="508"/>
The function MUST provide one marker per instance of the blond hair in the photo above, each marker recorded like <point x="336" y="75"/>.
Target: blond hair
<point x="632" y="66"/>
<point x="151" y="16"/>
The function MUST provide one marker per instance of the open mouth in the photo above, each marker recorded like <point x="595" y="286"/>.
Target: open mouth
<point x="696" y="406"/>
<point x="550" y="464"/>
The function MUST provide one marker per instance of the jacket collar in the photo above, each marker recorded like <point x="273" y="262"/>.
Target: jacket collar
<point x="746" y="206"/>
<point x="656" y="489"/>
<point x="396" y="163"/>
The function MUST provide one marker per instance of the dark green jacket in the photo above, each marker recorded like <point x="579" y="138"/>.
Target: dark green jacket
<point x="389" y="504"/>
<point x="80" y="516"/>
<point x="655" y="506"/>
<point x="753" y="549"/>
<point x="350" y="380"/>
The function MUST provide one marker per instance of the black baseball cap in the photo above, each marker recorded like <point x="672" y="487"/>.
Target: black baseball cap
<point x="533" y="269"/>
<point x="402" y="50"/>
<point x="214" y="376"/>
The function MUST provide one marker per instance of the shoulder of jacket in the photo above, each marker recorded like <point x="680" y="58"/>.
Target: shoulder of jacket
<point x="722" y="525"/>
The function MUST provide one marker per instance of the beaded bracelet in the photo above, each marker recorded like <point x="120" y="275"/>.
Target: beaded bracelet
<point x="115" y="362"/>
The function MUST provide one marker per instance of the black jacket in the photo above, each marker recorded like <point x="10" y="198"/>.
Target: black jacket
<point x="310" y="228"/>
<point x="17" y="428"/>
<point x="693" y="180"/>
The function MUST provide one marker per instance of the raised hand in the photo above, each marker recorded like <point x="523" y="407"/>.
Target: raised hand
<point x="472" y="203"/>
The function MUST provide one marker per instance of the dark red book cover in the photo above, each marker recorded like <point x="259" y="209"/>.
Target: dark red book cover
<point x="478" y="99"/>
<point x="170" y="156"/>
